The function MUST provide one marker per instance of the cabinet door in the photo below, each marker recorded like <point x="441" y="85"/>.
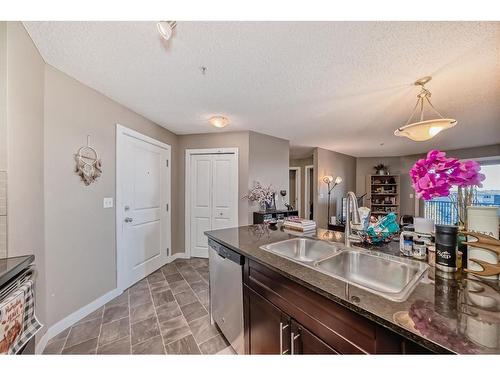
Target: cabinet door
<point x="268" y="328"/>
<point x="302" y="341"/>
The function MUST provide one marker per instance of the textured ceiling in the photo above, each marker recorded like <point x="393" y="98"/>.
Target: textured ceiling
<point x="343" y="86"/>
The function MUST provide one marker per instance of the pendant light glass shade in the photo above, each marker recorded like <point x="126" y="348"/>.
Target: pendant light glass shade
<point x="424" y="130"/>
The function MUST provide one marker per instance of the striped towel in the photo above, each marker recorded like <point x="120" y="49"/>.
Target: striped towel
<point x="18" y="323"/>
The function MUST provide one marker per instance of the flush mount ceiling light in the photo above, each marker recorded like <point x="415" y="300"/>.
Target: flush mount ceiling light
<point x="219" y="121"/>
<point x="166" y="28"/>
<point x="424" y="130"/>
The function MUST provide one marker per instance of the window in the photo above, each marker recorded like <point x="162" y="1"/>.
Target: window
<point x="443" y="211"/>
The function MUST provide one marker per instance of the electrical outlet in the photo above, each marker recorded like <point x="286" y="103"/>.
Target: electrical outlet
<point x="411" y="196"/>
<point x="107" y="203"/>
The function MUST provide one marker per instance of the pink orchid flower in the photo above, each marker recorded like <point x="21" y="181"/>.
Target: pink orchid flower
<point x="435" y="175"/>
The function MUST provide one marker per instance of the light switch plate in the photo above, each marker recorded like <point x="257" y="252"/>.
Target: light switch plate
<point x="411" y="196"/>
<point x="107" y="203"/>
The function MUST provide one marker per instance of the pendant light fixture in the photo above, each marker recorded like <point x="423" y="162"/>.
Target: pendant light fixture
<point x="424" y="130"/>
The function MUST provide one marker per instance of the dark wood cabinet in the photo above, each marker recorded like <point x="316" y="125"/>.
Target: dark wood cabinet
<point x="271" y="331"/>
<point x="303" y="341"/>
<point x="268" y="326"/>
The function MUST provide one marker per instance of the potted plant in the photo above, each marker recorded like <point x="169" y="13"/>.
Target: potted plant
<point x="381" y="169"/>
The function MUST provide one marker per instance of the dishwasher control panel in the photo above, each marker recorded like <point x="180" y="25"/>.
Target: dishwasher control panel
<point x="226" y="253"/>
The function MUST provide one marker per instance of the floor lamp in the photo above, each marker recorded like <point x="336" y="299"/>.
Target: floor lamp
<point x="331" y="185"/>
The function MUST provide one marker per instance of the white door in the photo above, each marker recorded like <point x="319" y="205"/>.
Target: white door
<point x="201" y="203"/>
<point x="213" y="197"/>
<point x="145" y="196"/>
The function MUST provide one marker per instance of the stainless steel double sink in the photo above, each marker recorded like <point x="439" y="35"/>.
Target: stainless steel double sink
<point x="389" y="276"/>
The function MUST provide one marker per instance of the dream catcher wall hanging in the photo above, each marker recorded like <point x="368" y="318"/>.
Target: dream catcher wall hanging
<point x="88" y="164"/>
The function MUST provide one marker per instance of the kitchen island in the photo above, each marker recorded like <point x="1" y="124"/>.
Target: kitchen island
<point x="290" y="308"/>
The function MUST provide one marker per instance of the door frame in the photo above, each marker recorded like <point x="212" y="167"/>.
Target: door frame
<point x="298" y="183"/>
<point x="187" y="190"/>
<point x="306" y="188"/>
<point x="121" y="133"/>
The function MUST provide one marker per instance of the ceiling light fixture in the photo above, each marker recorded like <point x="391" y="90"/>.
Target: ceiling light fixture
<point x="424" y="130"/>
<point x="166" y="28"/>
<point x="219" y="121"/>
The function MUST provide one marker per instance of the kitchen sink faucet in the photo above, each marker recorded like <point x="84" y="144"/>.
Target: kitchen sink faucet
<point x="352" y="214"/>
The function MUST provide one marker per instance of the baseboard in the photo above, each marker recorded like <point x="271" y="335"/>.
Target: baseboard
<point x="42" y="343"/>
<point x="75" y="317"/>
<point x="179" y="256"/>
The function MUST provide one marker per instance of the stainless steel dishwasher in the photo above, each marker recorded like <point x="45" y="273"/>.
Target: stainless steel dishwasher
<point x="226" y="293"/>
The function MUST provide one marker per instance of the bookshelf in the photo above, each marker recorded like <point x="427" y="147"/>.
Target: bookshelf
<point x="383" y="194"/>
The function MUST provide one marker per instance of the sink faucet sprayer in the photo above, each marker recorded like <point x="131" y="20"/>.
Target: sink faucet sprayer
<point x="352" y="214"/>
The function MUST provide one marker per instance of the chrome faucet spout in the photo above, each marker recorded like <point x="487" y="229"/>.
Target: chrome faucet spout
<point x="352" y="217"/>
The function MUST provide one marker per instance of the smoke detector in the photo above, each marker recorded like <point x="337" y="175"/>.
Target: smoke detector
<point x="166" y="28"/>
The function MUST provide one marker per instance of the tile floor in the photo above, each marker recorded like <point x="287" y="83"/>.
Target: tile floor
<point x="165" y="313"/>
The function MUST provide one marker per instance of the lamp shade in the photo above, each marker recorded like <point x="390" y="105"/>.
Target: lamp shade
<point x="328" y="179"/>
<point x="425" y="130"/>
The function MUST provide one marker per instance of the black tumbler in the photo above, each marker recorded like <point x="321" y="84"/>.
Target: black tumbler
<point x="446" y="247"/>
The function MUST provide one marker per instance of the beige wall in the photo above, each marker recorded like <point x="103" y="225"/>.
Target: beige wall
<point x="3" y="96"/>
<point x="25" y="182"/>
<point x="80" y="234"/>
<point x="268" y="164"/>
<point x="402" y="164"/>
<point x="302" y="163"/>
<point x="25" y="100"/>
<point x="3" y="139"/>
<point x="239" y="140"/>
<point x="335" y="164"/>
<point x="492" y="151"/>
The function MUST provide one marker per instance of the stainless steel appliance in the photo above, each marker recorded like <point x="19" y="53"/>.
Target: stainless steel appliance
<point x="226" y="293"/>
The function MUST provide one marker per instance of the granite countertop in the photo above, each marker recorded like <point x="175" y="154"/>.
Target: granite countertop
<point x="455" y="313"/>
<point x="10" y="267"/>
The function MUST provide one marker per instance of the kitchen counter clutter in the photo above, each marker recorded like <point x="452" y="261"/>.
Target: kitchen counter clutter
<point x="445" y="313"/>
